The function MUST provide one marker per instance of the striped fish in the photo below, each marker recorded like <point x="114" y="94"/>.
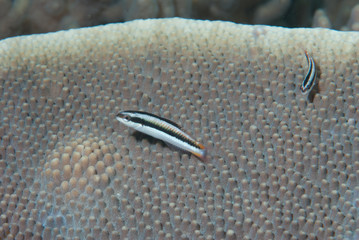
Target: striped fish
<point x="163" y="129"/>
<point x="309" y="80"/>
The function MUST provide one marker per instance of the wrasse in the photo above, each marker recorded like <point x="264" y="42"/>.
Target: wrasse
<point x="162" y="129"/>
<point x="309" y="80"/>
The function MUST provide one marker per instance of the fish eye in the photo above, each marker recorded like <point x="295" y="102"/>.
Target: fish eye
<point x="127" y="118"/>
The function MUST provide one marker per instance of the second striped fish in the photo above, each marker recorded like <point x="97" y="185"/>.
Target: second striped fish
<point x="309" y="80"/>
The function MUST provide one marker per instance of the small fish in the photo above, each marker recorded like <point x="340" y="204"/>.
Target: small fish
<point x="309" y="80"/>
<point x="163" y="129"/>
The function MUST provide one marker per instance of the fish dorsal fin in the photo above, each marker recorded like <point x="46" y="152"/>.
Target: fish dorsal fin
<point x="161" y="118"/>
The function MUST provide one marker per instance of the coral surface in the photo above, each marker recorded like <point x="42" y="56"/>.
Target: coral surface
<point x="282" y="165"/>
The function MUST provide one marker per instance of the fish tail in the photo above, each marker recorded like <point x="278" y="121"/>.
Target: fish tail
<point x="202" y="155"/>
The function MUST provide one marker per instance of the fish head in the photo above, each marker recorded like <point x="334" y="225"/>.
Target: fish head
<point x="127" y="118"/>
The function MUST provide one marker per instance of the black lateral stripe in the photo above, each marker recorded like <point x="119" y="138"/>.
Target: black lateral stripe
<point x="310" y="83"/>
<point x="152" y="115"/>
<point x="160" y="128"/>
<point x="306" y="81"/>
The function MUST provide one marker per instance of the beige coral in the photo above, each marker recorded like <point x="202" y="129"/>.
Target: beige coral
<point x="354" y="19"/>
<point x="281" y="165"/>
<point x="320" y="19"/>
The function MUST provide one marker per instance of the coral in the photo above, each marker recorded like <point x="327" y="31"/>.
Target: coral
<point x="354" y="19"/>
<point x="320" y="19"/>
<point x="282" y="165"/>
<point x="338" y="11"/>
<point x="272" y="10"/>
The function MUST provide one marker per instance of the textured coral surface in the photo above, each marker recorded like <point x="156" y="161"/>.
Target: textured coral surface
<point x="282" y="165"/>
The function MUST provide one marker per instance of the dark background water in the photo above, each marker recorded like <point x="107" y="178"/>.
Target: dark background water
<point x="20" y="17"/>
